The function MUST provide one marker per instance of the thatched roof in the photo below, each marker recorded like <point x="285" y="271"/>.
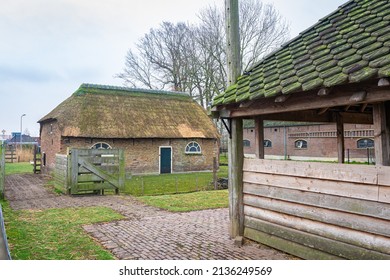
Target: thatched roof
<point x="97" y="111"/>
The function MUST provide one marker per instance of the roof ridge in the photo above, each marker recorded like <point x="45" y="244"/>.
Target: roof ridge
<point x="84" y="86"/>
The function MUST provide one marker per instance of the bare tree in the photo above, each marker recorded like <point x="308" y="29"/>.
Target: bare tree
<point x="192" y="58"/>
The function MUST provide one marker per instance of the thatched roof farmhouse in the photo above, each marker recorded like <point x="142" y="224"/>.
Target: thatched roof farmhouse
<point x="137" y="120"/>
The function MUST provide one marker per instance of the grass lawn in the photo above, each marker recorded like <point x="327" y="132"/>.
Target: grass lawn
<point x="18" y="168"/>
<point x="55" y="234"/>
<point x="144" y="185"/>
<point x="189" y="201"/>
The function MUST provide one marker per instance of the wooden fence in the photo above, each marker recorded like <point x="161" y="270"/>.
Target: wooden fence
<point x="61" y="172"/>
<point x="10" y="154"/>
<point x="318" y="210"/>
<point x="91" y="170"/>
<point x="2" y="169"/>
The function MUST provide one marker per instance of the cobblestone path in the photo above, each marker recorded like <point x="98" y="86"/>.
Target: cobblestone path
<point x="146" y="233"/>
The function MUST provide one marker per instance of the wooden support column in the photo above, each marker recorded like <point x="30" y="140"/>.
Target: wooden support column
<point x="340" y="138"/>
<point x="236" y="153"/>
<point x="259" y="138"/>
<point x="381" y="115"/>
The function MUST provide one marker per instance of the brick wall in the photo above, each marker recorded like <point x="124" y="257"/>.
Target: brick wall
<point x="321" y="140"/>
<point x="141" y="155"/>
<point x="50" y="145"/>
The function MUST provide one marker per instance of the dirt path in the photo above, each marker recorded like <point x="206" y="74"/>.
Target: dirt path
<point x="147" y="233"/>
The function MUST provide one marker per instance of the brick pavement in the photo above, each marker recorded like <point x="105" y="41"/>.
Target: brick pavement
<point x="147" y="233"/>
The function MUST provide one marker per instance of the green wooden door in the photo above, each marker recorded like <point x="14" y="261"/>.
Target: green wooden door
<point x="165" y="160"/>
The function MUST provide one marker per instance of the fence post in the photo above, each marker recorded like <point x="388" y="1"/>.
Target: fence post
<point x="122" y="175"/>
<point x="2" y="169"/>
<point x="142" y="185"/>
<point x="215" y="177"/>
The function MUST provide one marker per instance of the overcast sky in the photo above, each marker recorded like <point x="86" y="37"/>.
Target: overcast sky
<point x="48" y="48"/>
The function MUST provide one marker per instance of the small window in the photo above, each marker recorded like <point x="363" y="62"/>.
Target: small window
<point x="301" y="144"/>
<point x="247" y="143"/>
<point x="365" y="143"/>
<point x="267" y="144"/>
<point x="101" y="145"/>
<point x="193" y="148"/>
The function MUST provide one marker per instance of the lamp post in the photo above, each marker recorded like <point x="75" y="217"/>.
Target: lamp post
<point x="21" y="131"/>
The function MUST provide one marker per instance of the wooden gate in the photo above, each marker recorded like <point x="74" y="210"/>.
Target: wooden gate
<point x="10" y="154"/>
<point x="95" y="170"/>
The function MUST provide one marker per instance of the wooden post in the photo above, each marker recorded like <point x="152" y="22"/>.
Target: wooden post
<point x="381" y="114"/>
<point x="233" y="41"/>
<point x="122" y="172"/>
<point x="235" y="180"/>
<point x="215" y="177"/>
<point x="68" y="179"/>
<point x="340" y="138"/>
<point x="236" y="152"/>
<point x="259" y="138"/>
<point x="2" y="169"/>
<point x="74" y="175"/>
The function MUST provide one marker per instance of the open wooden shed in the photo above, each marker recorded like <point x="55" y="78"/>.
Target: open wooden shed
<point x="337" y="71"/>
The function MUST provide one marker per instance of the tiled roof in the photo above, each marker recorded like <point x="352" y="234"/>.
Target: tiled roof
<point x="351" y="45"/>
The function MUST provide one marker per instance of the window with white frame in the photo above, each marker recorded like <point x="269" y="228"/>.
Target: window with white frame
<point x="247" y="143"/>
<point x="365" y="143"/>
<point x="300" y="144"/>
<point x="193" y="148"/>
<point x="101" y="145"/>
<point x="267" y="143"/>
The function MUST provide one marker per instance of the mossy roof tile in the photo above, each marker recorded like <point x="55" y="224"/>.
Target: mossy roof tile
<point x="350" y="45"/>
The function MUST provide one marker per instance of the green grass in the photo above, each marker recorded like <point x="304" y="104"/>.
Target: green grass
<point x="55" y="234"/>
<point x="190" y="201"/>
<point x="18" y="168"/>
<point x="143" y="185"/>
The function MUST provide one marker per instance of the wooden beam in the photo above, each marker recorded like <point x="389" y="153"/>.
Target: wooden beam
<point x="363" y="108"/>
<point x="313" y="116"/>
<point x="340" y="138"/>
<point x="358" y="96"/>
<point x="300" y="101"/>
<point x="322" y="111"/>
<point x="236" y="159"/>
<point x="381" y="114"/>
<point x="259" y="138"/>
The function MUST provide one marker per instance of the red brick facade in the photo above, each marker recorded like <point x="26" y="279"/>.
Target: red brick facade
<point x="141" y="155"/>
<point x="320" y="138"/>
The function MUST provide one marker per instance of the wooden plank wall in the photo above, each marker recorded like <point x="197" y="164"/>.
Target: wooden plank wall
<point x="2" y="169"/>
<point x="318" y="210"/>
<point x="61" y="171"/>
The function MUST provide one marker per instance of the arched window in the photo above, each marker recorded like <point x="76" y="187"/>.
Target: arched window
<point x="267" y="143"/>
<point x="300" y="144"/>
<point x="247" y="143"/>
<point x="193" y="148"/>
<point x="365" y="143"/>
<point x="101" y="145"/>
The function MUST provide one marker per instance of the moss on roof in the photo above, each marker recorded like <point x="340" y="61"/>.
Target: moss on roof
<point x="351" y="45"/>
<point x="117" y="112"/>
